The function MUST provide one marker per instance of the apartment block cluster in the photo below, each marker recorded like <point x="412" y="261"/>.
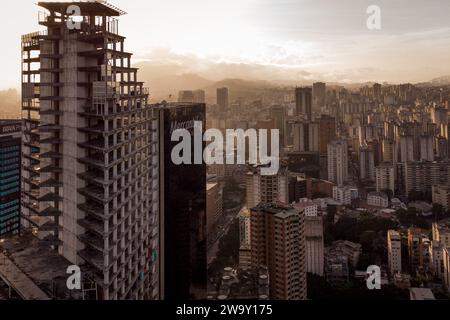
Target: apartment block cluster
<point x="427" y="258"/>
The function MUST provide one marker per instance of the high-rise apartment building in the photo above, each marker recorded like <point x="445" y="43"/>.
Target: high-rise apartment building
<point x="183" y="207"/>
<point x="389" y="151"/>
<point x="278" y="243"/>
<point x="446" y="267"/>
<point x="303" y="102"/>
<point x="338" y="162"/>
<point x="306" y="136"/>
<point x="267" y="189"/>
<point x="199" y="96"/>
<point x="385" y="177"/>
<point x="327" y="133"/>
<point x="421" y="176"/>
<point x="223" y="99"/>
<point x="314" y="245"/>
<point x="10" y="175"/>
<point x="90" y="165"/>
<point x="319" y="96"/>
<point x="394" y="243"/>
<point x="441" y="195"/>
<point x="407" y="152"/>
<point x="427" y="143"/>
<point x="366" y="163"/>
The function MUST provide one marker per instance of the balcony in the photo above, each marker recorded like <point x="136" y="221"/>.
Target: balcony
<point x="51" y="169"/>
<point x="50" y="212"/>
<point x="94" y="258"/>
<point x="50" y="226"/>
<point x="51" y="155"/>
<point x="51" y="183"/>
<point x="50" y="197"/>
<point x="94" y="225"/>
<point x="95" y="210"/>
<point x="52" y="240"/>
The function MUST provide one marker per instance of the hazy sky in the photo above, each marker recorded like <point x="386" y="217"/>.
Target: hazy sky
<point x="294" y="39"/>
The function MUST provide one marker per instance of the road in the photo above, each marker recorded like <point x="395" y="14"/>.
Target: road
<point x="222" y="229"/>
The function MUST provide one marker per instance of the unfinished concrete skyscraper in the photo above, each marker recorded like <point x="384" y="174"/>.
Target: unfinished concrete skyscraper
<point x="90" y="169"/>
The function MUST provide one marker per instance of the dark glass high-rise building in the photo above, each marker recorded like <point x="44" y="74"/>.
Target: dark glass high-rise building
<point x="10" y="162"/>
<point x="182" y="208"/>
<point x="223" y="99"/>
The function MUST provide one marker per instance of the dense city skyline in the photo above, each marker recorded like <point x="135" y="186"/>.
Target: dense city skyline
<point x="307" y="174"/>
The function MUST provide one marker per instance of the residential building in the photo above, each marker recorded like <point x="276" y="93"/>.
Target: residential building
<point x="421" y="176"/>
<point x="385" y="177"/>
<point x="441" y="195"/>
<point x="223" y="99"/>
<point x="278" y="242"/>
<point x="378" y="199"/>
<point x="344" y="195"/>
<point x="338" y="162"/>
<point x="303" y="102"/>
<point x="366" y="163"/>
<point x="266" y="189"/>
<point x="394" y="246"/>
<point x="314" y="245"/>
<point x="10" y="176"/>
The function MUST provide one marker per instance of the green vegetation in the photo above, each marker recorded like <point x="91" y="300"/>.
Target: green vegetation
<point x="412" y="218"/>
<point x="228" y="253"/>
<point x="363" y="230"/>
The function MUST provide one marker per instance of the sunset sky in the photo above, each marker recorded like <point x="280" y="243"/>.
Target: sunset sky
<point x="270" y="39"/>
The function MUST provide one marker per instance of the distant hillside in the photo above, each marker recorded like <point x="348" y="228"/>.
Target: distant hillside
<point x="165" y="80"/>
<point x="251" y="89"/>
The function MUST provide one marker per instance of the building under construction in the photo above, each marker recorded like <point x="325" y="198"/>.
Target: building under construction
<point x="90" y="154"/>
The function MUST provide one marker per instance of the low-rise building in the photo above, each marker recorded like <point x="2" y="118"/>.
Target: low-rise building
<point x="347" y="249"/>
<point x="421" y="294"/>
<point x="402" y="280"/>
<point x="378" y="199"/>
<point x="308" y="207"/>
<point x="345" y="194"/>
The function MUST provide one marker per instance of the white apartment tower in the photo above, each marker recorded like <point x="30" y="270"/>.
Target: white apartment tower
<point x="394" y="242"/>
<point x="314" y="245"/>
<point x="338" y="162"/>
<point x="385" y="177"/>
<point x="366" y="163"/>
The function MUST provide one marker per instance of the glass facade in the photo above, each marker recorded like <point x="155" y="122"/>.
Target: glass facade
<point x="10" y="175"/>
<point x="183" y="210"/>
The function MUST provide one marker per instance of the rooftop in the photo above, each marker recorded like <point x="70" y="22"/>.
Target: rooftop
<point x="38" y="265"/>
<point x="421" y="294"/>
<point x="88" y="7"/>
